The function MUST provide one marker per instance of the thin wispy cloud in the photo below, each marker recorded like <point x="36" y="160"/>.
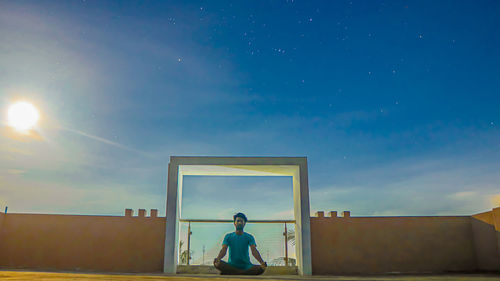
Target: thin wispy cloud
<point x="412" y="187"/>
<point x="112" y="143"/>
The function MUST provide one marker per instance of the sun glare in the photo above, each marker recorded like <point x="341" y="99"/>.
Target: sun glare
<point x="22" y="116"/>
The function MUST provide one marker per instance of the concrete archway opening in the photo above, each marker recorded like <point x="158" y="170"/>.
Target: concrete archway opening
<point x="296" y="167"/>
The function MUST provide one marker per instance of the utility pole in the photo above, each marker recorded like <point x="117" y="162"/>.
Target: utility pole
<point x="286" y="245"/>
<point x="203" y="254"/>
<point x="189" y="242"/>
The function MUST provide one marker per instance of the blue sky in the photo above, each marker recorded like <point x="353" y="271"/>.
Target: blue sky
<point x="395" y="104"/>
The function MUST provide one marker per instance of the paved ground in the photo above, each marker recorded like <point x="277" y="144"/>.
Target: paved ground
<point x="51" y="276"/>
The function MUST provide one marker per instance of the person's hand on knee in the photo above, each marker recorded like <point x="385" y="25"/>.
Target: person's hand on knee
<point x="263" y="265"/>
<point x="216" y="262"/>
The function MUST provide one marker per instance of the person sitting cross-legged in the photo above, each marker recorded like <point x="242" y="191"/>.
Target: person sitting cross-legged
<point x="239" y="260"/>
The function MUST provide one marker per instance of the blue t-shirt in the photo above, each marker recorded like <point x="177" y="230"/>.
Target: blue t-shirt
<point x="238" y="249"/>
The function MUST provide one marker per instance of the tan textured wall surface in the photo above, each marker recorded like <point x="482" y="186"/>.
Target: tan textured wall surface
<point x="1" y="221"/>
<point x="496" y="218"/>
<point x="389" y="244"/>
<point x="486" y="217"/>
<point x="486" y="230"/>
<point x="363" y="245"/>
<point x="94" y="243"/>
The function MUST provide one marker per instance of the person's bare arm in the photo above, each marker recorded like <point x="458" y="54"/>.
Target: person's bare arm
<point x="256" y="255"/>
<point x="222" y="253"/>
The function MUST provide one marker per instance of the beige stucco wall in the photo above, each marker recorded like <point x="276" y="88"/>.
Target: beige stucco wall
<point x="486" y="230"/>
<point x="391" y="244"/>
<point x="95" y="243"/>
<point x="486" y="217"/>
<point x="1" y="221"/>
<point x="366" y="245"/>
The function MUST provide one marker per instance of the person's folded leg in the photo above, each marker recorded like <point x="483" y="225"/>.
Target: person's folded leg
<point x="227" y="269"/>
<point x="254" y="270"/>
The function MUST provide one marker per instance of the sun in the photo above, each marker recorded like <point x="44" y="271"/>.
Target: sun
<point x="22" y="116"/>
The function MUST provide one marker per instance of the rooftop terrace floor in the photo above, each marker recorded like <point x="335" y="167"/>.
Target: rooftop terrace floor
<point x="59" y="276"/>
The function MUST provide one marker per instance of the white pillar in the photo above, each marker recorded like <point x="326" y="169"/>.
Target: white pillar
<point x="172" y="223"/>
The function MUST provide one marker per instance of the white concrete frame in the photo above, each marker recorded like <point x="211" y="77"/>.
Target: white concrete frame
<point x="296" y="167"/>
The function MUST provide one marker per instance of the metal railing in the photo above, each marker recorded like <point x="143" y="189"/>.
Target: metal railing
<point x="189" y="232"/>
